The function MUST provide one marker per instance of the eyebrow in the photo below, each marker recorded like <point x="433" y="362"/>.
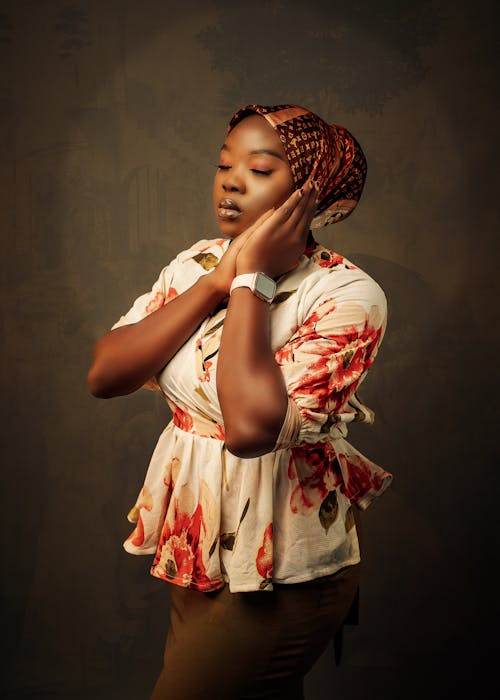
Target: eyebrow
<point x="259" y="151"/>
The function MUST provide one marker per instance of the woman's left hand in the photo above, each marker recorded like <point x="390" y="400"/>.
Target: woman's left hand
<point x="277" y="244"/>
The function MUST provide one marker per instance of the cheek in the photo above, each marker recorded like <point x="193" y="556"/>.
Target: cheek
<point x="275" y="196"/>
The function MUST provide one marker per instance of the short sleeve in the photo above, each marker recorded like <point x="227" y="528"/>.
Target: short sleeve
<point x="174" y="279"/>
<point x="161" y="293"/>
<point x="180" y="274"/>
<point x="329" y="355"/>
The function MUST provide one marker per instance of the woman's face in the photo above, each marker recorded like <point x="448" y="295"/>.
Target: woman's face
<point x="253" y="175"/>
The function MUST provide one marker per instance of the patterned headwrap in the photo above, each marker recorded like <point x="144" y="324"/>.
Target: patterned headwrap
<point x="326" y="152"/>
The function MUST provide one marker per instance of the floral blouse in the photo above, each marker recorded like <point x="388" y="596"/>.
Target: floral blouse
<point x="210" y="517"/>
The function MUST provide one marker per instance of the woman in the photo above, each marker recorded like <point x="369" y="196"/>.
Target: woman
<point x="259" y="340"/>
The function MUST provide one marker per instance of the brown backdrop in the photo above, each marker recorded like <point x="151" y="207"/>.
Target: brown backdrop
<point x="111" y="118"/>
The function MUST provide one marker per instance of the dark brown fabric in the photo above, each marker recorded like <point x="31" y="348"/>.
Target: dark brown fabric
<point x="251" y="646"/>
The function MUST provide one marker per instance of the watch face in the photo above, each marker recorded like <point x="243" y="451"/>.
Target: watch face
<point x="265" y="285"/>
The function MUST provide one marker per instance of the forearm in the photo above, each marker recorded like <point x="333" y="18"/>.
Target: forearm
<point x="126" y="357"/>
<point x="250" y="384"/>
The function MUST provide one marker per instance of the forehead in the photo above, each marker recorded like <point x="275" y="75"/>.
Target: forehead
<point x="253" y="133"/>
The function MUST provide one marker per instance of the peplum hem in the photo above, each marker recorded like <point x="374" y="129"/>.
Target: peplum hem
<point x="186" y="511"/>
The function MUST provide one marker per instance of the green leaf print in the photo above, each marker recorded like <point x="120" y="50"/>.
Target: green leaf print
<point x="329" y="423"/>
<point x="283" y="296"/>
<point x="347" y="359"/>
<point x="349" y="519"/>
<point x="227" y="540"/>
<point x="207" y="260"/>
<point x="214" y="328"/>
<point x="200" y="392"/>
<point x="245" y="509"/>
<point x="329" y="510"/>
<point x="212" y="548"/>
<point x="170" y="568"/>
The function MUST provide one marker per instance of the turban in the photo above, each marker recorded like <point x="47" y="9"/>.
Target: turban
<point x="325" y="152"/>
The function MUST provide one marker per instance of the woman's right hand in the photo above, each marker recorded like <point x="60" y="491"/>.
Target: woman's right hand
<point x="225" y="272"/>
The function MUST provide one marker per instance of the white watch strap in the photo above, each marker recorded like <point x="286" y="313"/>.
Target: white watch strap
<point x="246" y="280"/>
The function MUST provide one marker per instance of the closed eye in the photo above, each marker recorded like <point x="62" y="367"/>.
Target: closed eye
<point x="253" y="170"/>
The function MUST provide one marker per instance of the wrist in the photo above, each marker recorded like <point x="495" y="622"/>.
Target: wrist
<point x="214" y="287"/>
<point x="260" y="284"/>
<point x="249" y="269"/>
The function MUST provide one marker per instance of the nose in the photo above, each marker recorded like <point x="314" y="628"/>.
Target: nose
<point x="233" y="182"/>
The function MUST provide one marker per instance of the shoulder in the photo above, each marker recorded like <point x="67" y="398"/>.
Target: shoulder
<point x="330" y="275"/>
<point x="192" y="263"/>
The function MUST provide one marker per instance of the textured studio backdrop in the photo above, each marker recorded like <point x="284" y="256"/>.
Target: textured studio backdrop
<point x="112" y="114"/>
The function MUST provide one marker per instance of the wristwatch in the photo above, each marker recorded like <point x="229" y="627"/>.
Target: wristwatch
<point x="262" y="286"/>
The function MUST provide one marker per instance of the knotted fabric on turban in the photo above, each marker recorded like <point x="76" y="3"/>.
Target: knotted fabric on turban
<point x="326" y="152"/>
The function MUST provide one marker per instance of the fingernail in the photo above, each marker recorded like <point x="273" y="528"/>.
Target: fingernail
<point x="301" y="192"/>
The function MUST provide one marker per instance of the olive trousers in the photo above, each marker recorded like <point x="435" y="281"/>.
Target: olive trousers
<point x="251" y="646"/>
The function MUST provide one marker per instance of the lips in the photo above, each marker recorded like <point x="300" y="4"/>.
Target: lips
<point x="228" y="210"/>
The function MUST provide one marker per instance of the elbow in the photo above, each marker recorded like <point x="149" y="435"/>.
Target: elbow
<point x="97" y="375"/>
<point x="99" y="385"/>
<point x="248" y="442"/>
<point x="96" y="387"/>
<point x="246" y="450"/>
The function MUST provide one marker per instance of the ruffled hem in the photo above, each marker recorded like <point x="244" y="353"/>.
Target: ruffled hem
<point x="206" y="587"/>
<point x="209" y="520"/>
<point x="304" y="577"/>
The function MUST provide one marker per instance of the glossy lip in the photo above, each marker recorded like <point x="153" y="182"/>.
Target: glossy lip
<point x="227" y="203"/>
<point x="228" y="210"/>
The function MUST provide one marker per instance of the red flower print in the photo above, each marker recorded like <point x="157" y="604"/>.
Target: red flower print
<point x="333" y="357"/>
<point x="327" y="258"/>
<point x="205" y="377"/>
<point x="284" y="354"/>
<point x="182" y="419"/>
<point x="361" y="477"/>
<point x="264" y="559"/>
<point x="156" y="303"/>
<point x="219" y="432"/>
<point x="137" y="536"/>
<point x="145" y="501"/>
<point x="160" y="300"/>
<point x="188" y="538"/>
<point x="317" y="472"/>
<point x="180" y="553"/>
<point x="171" y="473"/>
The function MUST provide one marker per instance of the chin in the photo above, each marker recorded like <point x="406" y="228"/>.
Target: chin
<point x="230" y="229"/>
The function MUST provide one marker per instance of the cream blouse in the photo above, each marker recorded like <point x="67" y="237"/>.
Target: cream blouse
<point x="210" y="517"/>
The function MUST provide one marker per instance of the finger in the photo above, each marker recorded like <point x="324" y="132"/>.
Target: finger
<point x="305" y="211"/>
<point x="262" y="218"/>
<point x="284" y="212"/>
<point x="286" y="216"/>
<point x="310" y="211"/>
<point x="243" y="237"/>
<point x="302" y="205"/>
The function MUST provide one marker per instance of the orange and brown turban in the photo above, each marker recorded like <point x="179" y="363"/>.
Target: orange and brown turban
<point x="326" y="152"/>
